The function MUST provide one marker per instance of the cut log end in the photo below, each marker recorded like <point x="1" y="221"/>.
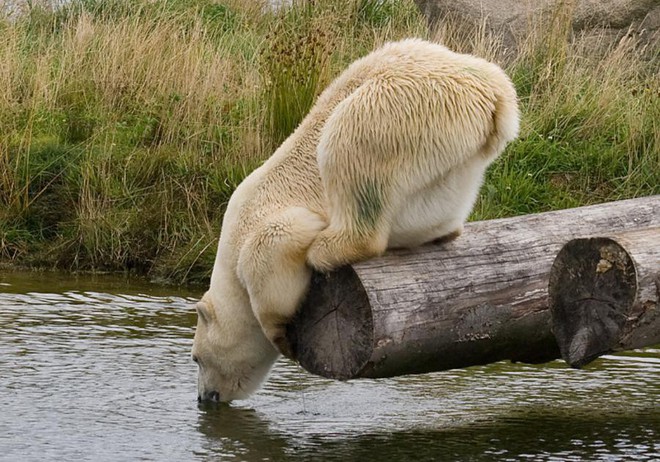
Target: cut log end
<point x="593" y="284"/>
<point x="333" y="333"/>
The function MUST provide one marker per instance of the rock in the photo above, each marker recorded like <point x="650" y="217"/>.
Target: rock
<point x="512" y="19"/>
<point x="613" y="14"/>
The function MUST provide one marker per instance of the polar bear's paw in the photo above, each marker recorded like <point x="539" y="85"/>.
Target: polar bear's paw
<point x="332" y="249"/>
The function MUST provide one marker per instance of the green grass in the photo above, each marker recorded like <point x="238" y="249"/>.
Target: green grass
<point x="127" y="125"/>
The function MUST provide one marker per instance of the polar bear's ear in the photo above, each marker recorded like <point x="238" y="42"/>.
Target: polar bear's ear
<point x="203" y="311"/>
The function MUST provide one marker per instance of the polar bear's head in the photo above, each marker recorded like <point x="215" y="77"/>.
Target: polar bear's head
<point x="234" y="356"/>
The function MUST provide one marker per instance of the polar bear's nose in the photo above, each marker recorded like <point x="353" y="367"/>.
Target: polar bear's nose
<point x="209" y="396"/>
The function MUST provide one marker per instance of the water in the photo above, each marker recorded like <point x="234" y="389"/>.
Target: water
<point x="99" y="369"/>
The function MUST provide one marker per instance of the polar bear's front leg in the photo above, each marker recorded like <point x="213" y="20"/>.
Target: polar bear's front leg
<point x="273" y="270"/>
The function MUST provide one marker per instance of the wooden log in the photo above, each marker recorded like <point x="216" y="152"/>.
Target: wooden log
<point x="603" y="295"/>
<point x="478" y="299"/>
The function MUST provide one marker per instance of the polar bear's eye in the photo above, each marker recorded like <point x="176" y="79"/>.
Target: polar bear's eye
<point x="195" y="358"/>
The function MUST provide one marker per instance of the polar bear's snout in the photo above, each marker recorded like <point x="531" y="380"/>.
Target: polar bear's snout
<point x="212" y="396"/>
<point x="230" y="366"/>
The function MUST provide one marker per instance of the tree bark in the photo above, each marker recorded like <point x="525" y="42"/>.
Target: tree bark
<point x="479" y="299"/>
<point x="603" y="295"/>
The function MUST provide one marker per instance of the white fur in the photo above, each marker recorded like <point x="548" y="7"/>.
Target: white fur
<point x="392" y="155"/>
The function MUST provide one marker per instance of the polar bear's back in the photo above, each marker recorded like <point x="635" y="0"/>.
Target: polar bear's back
<point x="414" y="60"/>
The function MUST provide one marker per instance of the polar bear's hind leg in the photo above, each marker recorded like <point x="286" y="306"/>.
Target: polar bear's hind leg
<point x="359" y="228"/>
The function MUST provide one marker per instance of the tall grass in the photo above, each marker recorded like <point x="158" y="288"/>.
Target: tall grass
<point x="295" y="61"/>
<point x="125" y="126"/>
<point x="591" y="125"/>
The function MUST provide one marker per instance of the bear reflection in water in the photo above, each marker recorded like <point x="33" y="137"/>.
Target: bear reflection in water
<point x="391" y="155"/>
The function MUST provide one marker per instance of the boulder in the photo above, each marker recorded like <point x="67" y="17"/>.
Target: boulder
<point x="512" y="19"/>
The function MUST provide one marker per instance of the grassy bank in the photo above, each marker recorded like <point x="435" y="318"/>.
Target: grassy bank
<point x="125" y="126"/>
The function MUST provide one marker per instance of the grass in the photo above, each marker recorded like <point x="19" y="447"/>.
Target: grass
<point x="127" y="125"/>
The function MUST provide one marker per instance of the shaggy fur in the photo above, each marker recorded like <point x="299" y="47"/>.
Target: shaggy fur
<point x="392" y="155"/>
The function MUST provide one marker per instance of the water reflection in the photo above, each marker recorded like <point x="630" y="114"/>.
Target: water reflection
<point x="101" y="370"/>
<point x="240" y="432"/>
<point x="515" y="434"/>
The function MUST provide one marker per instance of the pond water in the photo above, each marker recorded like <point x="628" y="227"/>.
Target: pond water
<point x="99" y="369"/>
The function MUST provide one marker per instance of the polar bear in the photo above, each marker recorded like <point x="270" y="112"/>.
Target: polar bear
<point x="391" y="155"/>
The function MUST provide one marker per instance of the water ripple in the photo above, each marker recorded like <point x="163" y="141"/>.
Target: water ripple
<point x="104" y="373"/>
